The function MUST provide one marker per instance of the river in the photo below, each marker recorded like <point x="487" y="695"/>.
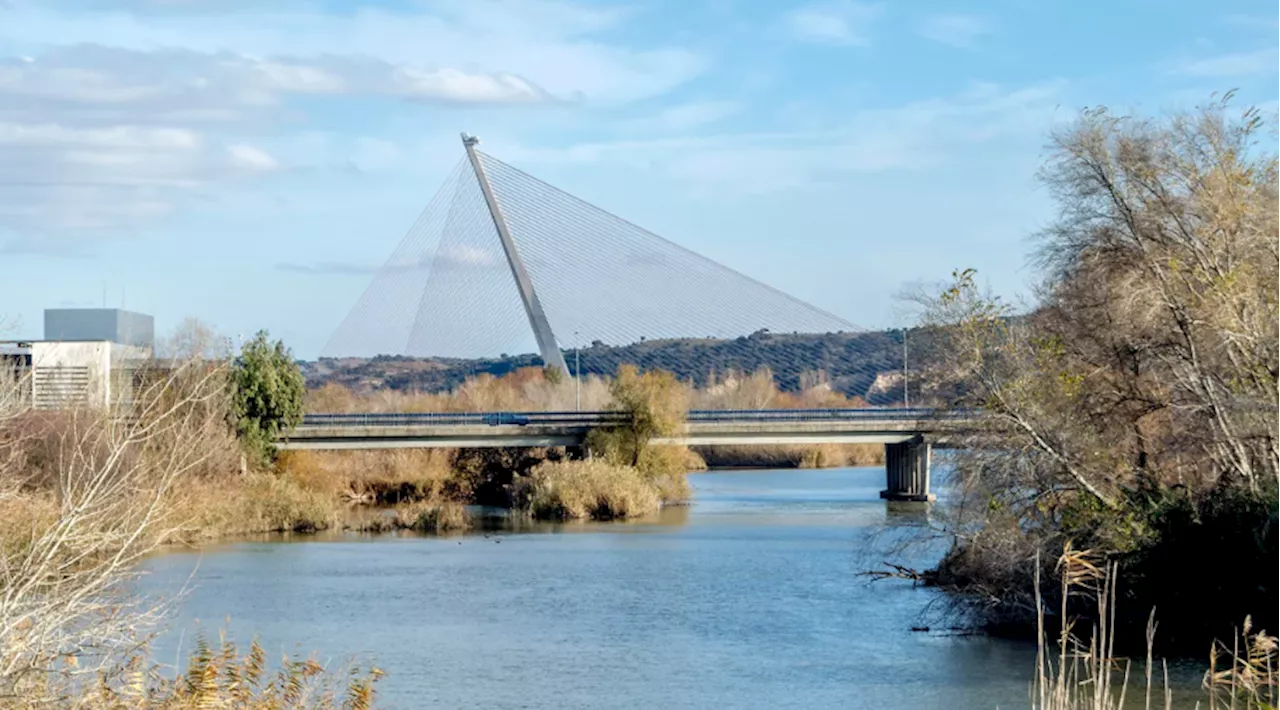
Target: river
<point x="749" y="598"/>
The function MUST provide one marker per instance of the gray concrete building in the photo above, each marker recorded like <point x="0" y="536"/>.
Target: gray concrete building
<point x="87" y="358"/>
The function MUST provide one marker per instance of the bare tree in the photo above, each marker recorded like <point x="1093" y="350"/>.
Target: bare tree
<point x="1148" y="367"/>
<point x="98" y="483"/>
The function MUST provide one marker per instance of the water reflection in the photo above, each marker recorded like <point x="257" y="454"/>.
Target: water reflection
<point x="904" y="514"/>
<point x="751" y="597"/>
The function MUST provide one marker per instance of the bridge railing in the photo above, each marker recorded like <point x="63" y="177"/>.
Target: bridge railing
<point x="599" y="418"/>
<point x="862" y="413"/>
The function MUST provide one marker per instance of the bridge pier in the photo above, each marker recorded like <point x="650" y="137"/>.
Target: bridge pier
<point x="906" y="467"/>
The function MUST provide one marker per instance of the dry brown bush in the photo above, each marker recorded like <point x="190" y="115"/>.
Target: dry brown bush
<point x="597" y="490"/>
<point x="788" y="456"/>
<point x="387" y="476"/>
<point x="1135" y="407"/>
<point x="90" y="494"/>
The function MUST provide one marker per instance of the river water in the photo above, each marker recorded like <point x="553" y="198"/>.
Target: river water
<point x="749" y="598"/>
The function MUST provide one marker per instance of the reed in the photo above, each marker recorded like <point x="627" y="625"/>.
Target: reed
<point x="1075" y="672"/>
<point x="595" y="489"/>
<point x="784" y="456"/>
<point x="215" y="676"/>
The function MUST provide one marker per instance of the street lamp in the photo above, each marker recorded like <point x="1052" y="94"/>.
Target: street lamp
<point x="906" y="393"/>
<point x="577" y="372"/>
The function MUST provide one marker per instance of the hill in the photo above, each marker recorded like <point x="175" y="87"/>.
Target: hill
<point x="867" y="364"/>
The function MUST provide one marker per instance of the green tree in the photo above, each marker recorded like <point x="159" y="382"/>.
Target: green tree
<point x="655" y="403"/>
<point x="266" y="394"/>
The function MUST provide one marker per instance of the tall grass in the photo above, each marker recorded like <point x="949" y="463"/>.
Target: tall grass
<point x="1075" y="672"/>
<point x="254" y="502"/>
<point x="215" y="677"/>
<point x="595" y="489"/>
<point x="529" y="389"/>
<point x="384" y="477"/>
<point x="1082" y="675"/>
<point x="791" y="456"/>
<point x="759" y="390"/>
<point x="526" y="389"/>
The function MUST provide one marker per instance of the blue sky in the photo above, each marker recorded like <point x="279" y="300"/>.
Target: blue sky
<point x="249" y="163"/>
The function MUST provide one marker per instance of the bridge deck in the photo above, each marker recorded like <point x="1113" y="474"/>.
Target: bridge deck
<point x="704" y="427"/>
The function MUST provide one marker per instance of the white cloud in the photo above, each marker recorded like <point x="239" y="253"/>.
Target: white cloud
<point x="548" y="44"/>
<point x="464" y="256"/>
<point x="916" y="136"/>
<point x="845" y="22"/>
<point x="130" y="85"/>
<point x="1231" y="65"/>
<point x="683" y="117"/>
<point x="454" y="85"/>
<point x="123" y="111"/>
<point x="251" y="158"/>
<point x="952" y="29"/>
<point x="63" y="181"/>
<point x="97" y="140"/>
<point x="35" y="136"/>
<point x="449" y="256"/>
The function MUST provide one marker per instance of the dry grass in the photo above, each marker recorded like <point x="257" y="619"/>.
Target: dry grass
<point x="431" y="518"/>
<point x="815" y="456"/>
<point x="528" y="389"/>
<point x="597" y="490"/>
<point x="1075" y="673"/>
<point x="236" y="504"/>
<point x="439" y="518"/>
<point x="759" y="390"/>
<point x="524" y="390"/>
<point x="385" y="477"/>
<point x="215" y="677"/>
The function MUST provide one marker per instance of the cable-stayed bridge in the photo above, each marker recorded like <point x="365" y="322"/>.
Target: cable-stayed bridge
<point x="498" y="255"/>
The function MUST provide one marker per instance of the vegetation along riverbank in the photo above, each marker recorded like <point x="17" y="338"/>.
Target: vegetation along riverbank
<point x="1132" y="411"/>
<point x="1125" y="469"/>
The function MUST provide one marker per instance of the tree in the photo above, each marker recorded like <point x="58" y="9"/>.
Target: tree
<point x="193" y="339"/>
<point x="267" y="391"/>
<point x="1135" y="404"/>
<point x="84" y="498"/>
<point x="655" y="404"/>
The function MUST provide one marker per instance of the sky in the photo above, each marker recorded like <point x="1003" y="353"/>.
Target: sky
<point x="250" y="164"/>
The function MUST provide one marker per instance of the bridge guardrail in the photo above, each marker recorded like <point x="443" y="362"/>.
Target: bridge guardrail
<point x="607" y="417"/>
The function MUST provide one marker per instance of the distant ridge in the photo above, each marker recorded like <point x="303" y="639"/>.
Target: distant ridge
<point x="865" y="364"/>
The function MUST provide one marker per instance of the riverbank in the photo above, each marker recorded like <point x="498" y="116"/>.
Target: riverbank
<point x="311" y="491"/>
<point x="1131" y="410"/>
<point x="791" y="456"/>
<point x="750" y="597"/>
<point x="314" y="491"/>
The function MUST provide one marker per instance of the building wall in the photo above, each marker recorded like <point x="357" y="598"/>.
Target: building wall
<point x="112" y="324"/>
<point x="71" y="374"/>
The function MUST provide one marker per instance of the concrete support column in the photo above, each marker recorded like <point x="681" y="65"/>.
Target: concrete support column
<point x="906" y="466"/>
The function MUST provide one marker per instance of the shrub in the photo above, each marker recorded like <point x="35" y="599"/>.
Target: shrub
<point x="593" y="489"/>
<point x="385" y="477"/>
<point x="266" y="395"/>
<point x="1134" y="409"/>
<point x="441" y="518"/>
<point x="485" y="476"/>
<point x="251" y="503"/>
<point x="221" y="677"/>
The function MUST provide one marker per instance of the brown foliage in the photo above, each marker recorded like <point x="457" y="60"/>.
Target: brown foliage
<point x="595" y="490"/>
<point x="1145" y="382"/>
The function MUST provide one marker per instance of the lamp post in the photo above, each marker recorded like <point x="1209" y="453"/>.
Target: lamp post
<point x="577" y="372"/>
<point x="906" y="394"/>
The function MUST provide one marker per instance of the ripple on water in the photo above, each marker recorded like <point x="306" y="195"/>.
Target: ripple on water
<point x="750" y="597"/>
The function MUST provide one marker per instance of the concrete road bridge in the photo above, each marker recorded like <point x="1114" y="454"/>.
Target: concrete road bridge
<point x="908" y="435"/>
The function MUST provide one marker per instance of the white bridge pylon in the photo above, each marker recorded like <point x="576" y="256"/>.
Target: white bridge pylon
<point x="499" y="256"/>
